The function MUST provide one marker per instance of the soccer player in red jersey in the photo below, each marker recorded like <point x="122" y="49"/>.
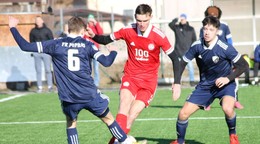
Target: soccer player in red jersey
<point x="140" y="77"/>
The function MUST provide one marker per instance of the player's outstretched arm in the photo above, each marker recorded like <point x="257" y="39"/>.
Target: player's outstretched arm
<point x="23" y="44"/>
<point x="176" y="91"/>
<point x="13" y="22"/>
<point x="109" y="59"/>
<point x="178" y="68"/>
<point x="101" y="39"/>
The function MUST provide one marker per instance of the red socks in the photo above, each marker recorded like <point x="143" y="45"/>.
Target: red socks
<point x="122" y="121"/>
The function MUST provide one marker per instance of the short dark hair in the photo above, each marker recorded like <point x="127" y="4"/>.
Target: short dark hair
<point x="213" y="11"/>
<point x="212" y="21"/>
<point x="76" y="23"/>
<point x="143" y="9"/>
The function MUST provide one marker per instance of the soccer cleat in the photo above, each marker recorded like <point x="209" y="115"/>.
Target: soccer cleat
<point x="238" y="105"/>
<point x="128" y="140"/>
<point x="115" y="142"/>
<point x="234" y="139"/>
<point x="176" y="142"/>
<point x="207" y="108"/>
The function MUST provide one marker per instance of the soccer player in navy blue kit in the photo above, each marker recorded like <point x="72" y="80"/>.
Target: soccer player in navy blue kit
<point x="215" y="59"/>
<point x="224" y="34"/>
<point x="72" y="57"/>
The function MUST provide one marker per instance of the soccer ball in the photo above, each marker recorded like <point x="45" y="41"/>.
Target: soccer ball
<point x="131" y="138"/>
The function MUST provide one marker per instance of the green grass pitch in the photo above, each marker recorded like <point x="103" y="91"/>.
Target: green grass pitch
<point x="38" y="119"/>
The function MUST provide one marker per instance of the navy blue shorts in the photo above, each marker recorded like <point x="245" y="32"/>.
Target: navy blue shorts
<point x="204" y="97"/>
<point x="97" y="106"/>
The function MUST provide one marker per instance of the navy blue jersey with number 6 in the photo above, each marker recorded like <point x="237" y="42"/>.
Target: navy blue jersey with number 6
<point x="71" y="57"/>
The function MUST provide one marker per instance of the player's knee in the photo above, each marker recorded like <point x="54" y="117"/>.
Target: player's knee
<point x="104" y="114"/>
<point x="71" y="123"/>
<point x="183" y="115"/>
<point x="229" y="111"/>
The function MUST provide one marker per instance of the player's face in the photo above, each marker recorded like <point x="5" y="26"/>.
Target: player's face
<point x="143" y="21"/>
<point x="39" y="22"/>
<point x="210" y="32"/>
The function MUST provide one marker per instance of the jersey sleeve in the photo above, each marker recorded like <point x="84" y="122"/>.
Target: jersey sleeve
<point x="47" y="47"/>
<point x="257" y="54"/>
<point x="120" y="34"/>
<point x="232" y="54"/>
<point x="163" y="41"/>
<point x="30" y="47"/>
<point x="228" y="35"/>
<point x="192" y="52"/>
<point x="166" y="46"/>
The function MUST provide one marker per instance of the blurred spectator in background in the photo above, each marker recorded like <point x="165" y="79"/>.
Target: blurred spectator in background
<point x="224" y="34"/>
<point x="42" y="33"/>
<point x="256" y="64"/>
<point x="97" y="29"/>
<point x="184" y="36"/>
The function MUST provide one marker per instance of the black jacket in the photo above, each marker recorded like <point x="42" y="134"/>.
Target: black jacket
<point x="40" y="34"/>
<point x="184" y="36"/>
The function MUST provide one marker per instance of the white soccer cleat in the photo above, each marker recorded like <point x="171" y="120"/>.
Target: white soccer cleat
<point x="129" y="140"/>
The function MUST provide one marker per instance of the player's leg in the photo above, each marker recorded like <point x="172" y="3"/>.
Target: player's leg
<point x="227" y="106"/>
<point x="72" y="133"/>
<point x="99" y="107"/>
<point x="238" y="105"/>
<point x="256" y="79"/>
<point x="228" y="103"/>
<point x="126" y="100"/>
<point x="47" y="65"/>
<point x="113" y="126"/>
<point x="142" y="100"/>
<point x="71" y="111"/>
<point x="135" y="111"/>
<point x="199" y="98"/>
<point x="182" y="123"/>
<point x="38" y="69"/>
<point x="127" y="91"/>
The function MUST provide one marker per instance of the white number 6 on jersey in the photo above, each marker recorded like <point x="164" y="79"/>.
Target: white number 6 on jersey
<point x="73" y="61"/>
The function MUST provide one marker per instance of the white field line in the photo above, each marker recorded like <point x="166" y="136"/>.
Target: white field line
<point x="149" y="119"/>
<point x="12" y="97"/>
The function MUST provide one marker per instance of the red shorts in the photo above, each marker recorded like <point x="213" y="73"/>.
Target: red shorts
<point x="141" y="89"/>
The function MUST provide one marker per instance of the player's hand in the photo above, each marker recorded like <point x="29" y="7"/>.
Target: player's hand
<point x="90" y="32"/>
<point x="220" y="82"/>
<point x="176" y="91"/>
<point x="93" y="21"/>
<point x="111" y="48"/>
<point x="13" y="22"/>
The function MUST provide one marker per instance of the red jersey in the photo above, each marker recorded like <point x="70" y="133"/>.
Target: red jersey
<point x="143" y="50"/>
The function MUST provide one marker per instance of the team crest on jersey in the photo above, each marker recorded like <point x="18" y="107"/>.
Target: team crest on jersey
<point x="126" y="84"/>
<point x="215" y="59"/>
<point x="151" y="46"/>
